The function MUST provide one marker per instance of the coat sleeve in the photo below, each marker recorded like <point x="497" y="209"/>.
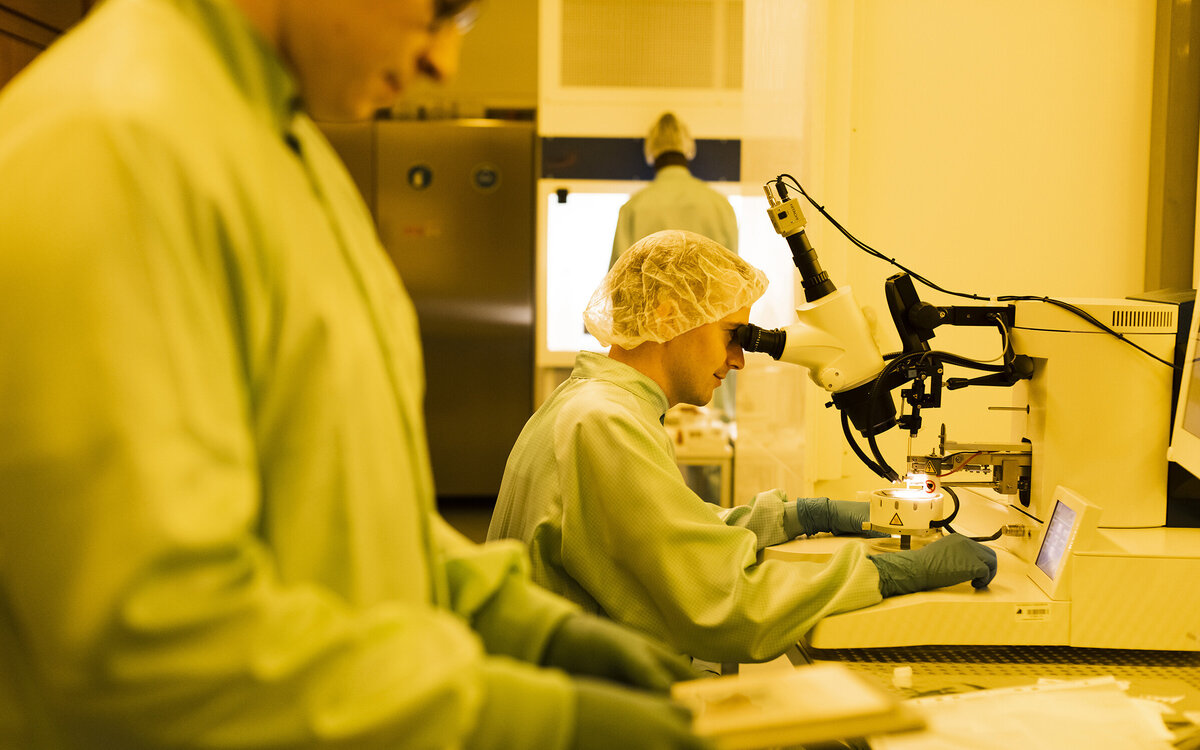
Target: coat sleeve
<point x="766" y="515"/>
<point x="658" y="558"/>
<point x="491" y="588"/>
<point x="137" y="600"/>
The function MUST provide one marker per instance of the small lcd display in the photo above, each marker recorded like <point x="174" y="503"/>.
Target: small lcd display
<point x="1058" y="535"/>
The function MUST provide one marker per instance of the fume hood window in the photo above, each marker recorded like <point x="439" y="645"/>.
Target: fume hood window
<point x="579" y="244"/>
<point x="579" y="236"/>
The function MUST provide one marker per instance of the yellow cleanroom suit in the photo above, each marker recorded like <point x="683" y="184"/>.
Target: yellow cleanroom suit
<point x="217" y="522"/>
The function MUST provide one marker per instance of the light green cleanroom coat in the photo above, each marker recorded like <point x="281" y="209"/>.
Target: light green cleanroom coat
<point x="593" y="487"/>
<point x="675" y="200"/>
<point x="216" y="509"/>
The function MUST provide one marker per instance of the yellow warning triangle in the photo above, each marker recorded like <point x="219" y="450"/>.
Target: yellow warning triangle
<point x="896" y="521"/>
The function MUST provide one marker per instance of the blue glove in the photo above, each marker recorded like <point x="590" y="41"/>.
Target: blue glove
<point x="945" y="562"/>
<point x="608" y="716"/>
<point x="593" y="646"/>
<point x="820" y="514"/>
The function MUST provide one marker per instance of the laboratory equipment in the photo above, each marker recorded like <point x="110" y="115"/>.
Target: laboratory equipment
<point x="831" y="336"/>
<point x="1068" y="379"/>
<point x="1075" y="500"/>
<point x="913" y="512"/>
<point x="1092" y="403"/>
<point x="1070" y="527"/>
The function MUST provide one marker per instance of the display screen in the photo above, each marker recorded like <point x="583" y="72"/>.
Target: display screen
<point x="1058" y="535"/>
<point x="1191" y="406"/>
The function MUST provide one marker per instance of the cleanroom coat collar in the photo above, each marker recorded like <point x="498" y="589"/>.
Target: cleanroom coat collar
<point x="598" y="366"/>
<point x="672" y="172"/>
<point x="253" y="65"/>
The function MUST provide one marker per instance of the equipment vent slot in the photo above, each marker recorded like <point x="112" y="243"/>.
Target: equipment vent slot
<point x="661" y="44"/>
<point x="1141" y="318"/>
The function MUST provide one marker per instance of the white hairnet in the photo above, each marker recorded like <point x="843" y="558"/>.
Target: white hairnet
<point x="669" y="134"/>
<point x="666" y="284"/>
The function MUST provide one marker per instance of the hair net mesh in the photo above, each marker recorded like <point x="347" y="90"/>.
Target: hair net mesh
<point x="669" y="134"/>
<point x="666" y="284"/>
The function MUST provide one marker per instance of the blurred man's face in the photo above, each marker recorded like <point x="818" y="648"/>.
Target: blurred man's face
<point x="697" y="362"/>
<point x="353" y="57"/>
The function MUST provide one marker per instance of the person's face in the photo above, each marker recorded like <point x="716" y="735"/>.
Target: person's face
<point x="696" y="362"/>
<point x="353" y="57"/>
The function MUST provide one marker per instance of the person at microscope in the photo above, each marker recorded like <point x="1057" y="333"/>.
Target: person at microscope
<point x="592" y="485"/>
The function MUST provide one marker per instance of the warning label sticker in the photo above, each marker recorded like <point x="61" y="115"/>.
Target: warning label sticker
<point x="895" y="520"/>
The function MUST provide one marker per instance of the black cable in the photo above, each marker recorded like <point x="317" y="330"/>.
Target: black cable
<point x="880" y="465"/>
<point x="946" y="523"/>
<point x="885" y="471"/>
<point x="954" y="359"/>
<point x="857" y="450"/>
<point x="1007" y="298"/>
<point x="999" y="533"/>
<point x="973" y="364"/>
<point x="867" y="248"/>
<point x="950" y="359"/>
<point x="1089" y="318"/>
<point x="1009" y="355"/>
<point x="873" y="399"/>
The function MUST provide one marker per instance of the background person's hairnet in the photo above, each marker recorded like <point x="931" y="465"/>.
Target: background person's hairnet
<point x="669" y="134"/>
<point x="666" y="284"/>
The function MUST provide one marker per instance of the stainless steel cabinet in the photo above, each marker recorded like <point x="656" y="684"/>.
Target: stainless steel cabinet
<point x="453" y="201"/>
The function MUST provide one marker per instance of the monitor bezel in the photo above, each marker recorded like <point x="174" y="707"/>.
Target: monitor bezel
<point x="1087" y="518"/>
<point x="1185" y="445"/>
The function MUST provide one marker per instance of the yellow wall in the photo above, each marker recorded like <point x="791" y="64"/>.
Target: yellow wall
<point x="997" y="148"/>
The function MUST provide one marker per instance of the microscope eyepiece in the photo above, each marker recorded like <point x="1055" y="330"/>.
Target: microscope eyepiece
<point x="754" y="339"/>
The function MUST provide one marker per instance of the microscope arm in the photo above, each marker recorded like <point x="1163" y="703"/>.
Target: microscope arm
<point x="832" y="338"/>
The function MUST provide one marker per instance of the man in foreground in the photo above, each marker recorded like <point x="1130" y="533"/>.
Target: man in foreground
<point x="217" y="524"/>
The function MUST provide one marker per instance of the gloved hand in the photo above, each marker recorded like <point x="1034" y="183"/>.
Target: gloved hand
<point x="589" y="645"/>
<point x="945" y="562"/>
<point x="609" y="716"/>
<point x="818" y="514"/>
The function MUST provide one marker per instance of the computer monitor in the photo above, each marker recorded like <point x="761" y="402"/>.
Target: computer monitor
<point x="1185" y="433"/>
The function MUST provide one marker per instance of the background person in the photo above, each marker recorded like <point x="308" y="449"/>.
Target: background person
<point x="217" y="522"/>
<point x="678" y="200"/>
<point x="592" y="486"/>
<point x="675" y="199"/>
